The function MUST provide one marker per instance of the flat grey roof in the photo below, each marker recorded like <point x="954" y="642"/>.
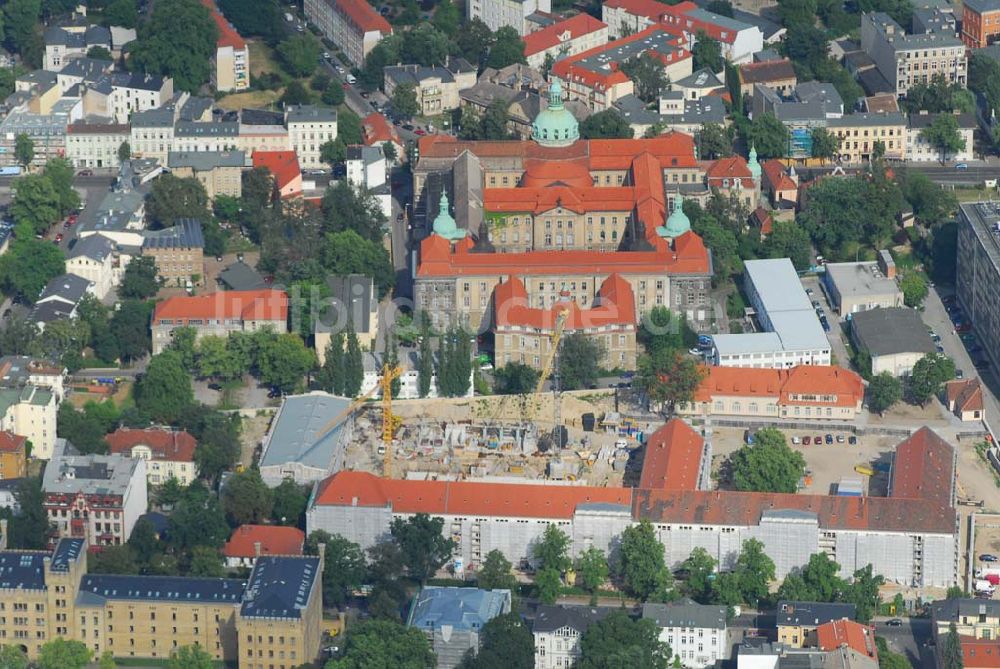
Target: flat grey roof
<point x="750" y="342"/>
<point x="206" y="160"/>
<point x="860" y="278"/>
<point x="777" y="283"/>
<point x="891" y="331"/>
<point x="799" y="330"/>
<point x="299" y="422"/>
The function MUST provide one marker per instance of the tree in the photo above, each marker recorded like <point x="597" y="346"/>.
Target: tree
<point x="789" y="240"/>
<point x="404" y="100"/>
<point x="647" y="74"/>
<point x="474" y="41"/>
<point x="495" y="119"/>
<point x="914" y="288"/>
<point x="824" y="144"/>
<point x="932" y="204"/>
<point x="284" y="360"/>
<point x="124" y="152"/>
<point x="700" y="567"/>
<point x="36" y="203"/>
<point x="714" y="142"/>
<point x="768" y="136"/>
<point x="59" y="172"/>
<point x="669" y="377"/>
<point x="289" y="503"/>
<point x="343" y="566"/>
<point x="198" y="520"/>
<point x="592" y="566"/>
<point x="115" y="560"/>
<point x="139" y="281"/>
<point x="28" y="266"/>
<point x="165" y="391"/>
<point x="608" y="124"/>
<point x="24" y="150"/>
<point x="548" y="585"/>
<point x="295" y="94"/>
<point x="172" y="198"/>
<point x="178" y="41"/>
<point x="506" y="642"/>
<point x="62" y="654"/>
<point x="619" y="641"/>
<point x="246" y="499"/>
<point x="883" y="392"/>
<point x="863" y="592"/>
<point x="99" y="53"/>
<point x="382" y="643"/>
<point x="425" y="368"/>
<point x="819" y="579"/>
<point x="130" y="327"/>
<point x="707" y="52"/>
<point x="495" y="573"/>
<point x="552" y="550"/>
<point x="12" y="657"/>
<point x="767" y="465"/>
<point x="888" y="659"/>
<point x="424" y="548"/>
<point x="333" y="94"/>
<point x="190" y="657"/>
<point x="251" y="17"/>
<point x="929" y="375"/>
<point x="217" y="360"/>
<point x="507" y="49"/>
<point x="951" y="654"/>
<point x="753" y="571"/>
<point x="515" y="378"/>
<point x="121" y="13"/>
<point x="353" y="366"/>
<point x="720" y="7"/>
<point x="447" y="18"/>
<point x="579" y="361"/>
<point x="642" y="566"/>
<point x="348" y="253"/>
<point x="943" y="134"/>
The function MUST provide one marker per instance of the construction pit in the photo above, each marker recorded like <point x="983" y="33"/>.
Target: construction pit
<point x="501" y="439"/>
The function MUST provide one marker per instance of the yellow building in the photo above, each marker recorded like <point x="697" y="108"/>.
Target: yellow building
<point x="859" y="133"/>
<point x="271" y="621"/>
<point x="797" y="621"/>
<point x="220" y="172"/>
<point x="13" y="461"/>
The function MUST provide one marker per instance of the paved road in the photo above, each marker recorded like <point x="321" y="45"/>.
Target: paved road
<point x="977" y="172"/>
<point x="910" y="639"/>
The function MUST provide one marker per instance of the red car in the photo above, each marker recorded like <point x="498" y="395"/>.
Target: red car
<point x="420" y="131"/>
<point x="964" y="327"/>
<point x="59" y="238"/>
<point x="818" y="440"/>
<point x="806" y="441"/>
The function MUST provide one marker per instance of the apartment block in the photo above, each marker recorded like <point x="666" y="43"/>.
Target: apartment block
<point x="980" y="23"/>
<point x="231" y="65"/>
<point x="220" y="172"/>
<point x="169" y="454"/>
<point x="219" y="314"/>
<point x="178" y="252"/>
<point x="859" y="133"/>
<point x="905" y="60"/>
<point x="516" y="14"/>
<point x="695" y="632"/>
<point x="568" y="37"/>
<point x="436" y="87"/>
<point x="309" y="128"/>
<point x="978" y="274"/>
<point x="354" y="25"/>
<point x="95" y="144"/>
<point x="919" y="149"/>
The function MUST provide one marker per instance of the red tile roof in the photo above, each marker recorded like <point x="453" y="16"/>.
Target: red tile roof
<point x="247" y="305"/>
<point x="464" y="498"/>
<point x="840" y="633"/>
<point x="273" y="539"/>
<point x="227" y="33"/>
<point x="10" y="442"/>
<point x="767" y="71"/>
<point x="283" y="165"/>
<point x="376" y="129"/>
<point x="672" y="458"/>
<point x="980" y="653"/>
<point x="776" y="177"/>
<point x="614" y="305"/>
<point x="679" y="15"/>
<point x="729" y="168"/>
<point x="176" y="446"/>
<point x="780" y="384"/>
<point x="550" y="36"/>
<point x="363" y="15"/>
<point x="924" y="468"/>
<point x="763" y="220"/>
<point x="966" y="394"/>
<point x="651" y="9"/>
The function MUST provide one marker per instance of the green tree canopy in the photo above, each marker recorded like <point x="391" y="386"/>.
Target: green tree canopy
<point x="190" y="657"/>
<point x="714" y="142"/>
<point x="641" y="561"/>
<point x="299" y="55"/>
<point x="24" y="149"/>
<point x="424" y="548"/>
<point x="506" y="642"/>
<point x="669" y="376"/>
<point x="884" y="390"/>
<point x="552" y="550"/>
<point x="252" y="17"/>
<point x="178" y="41"/>
<point x="12" y="657"/>
<point x="767" y="465"/>
<point x="290" y="500"/>
<point x="768" y="136"/>
<point x="943" y="134"/>
<point x="404" y="100"/>
<point x="507" y="48"/>
<point x="789" y="240"/>
<point x="914" y="287"/>
<point x="607" y="124"/>
<point x="620" y="641"/>
<point x="140" y="279"/>
<point x="198" y="520"/>
<point x="707" y="52"/>
<point x="343" y="566"/>
<point x="515" y="378"/>
<point x="172" y="198"/>
<point x="284" y="361"/>
<point x="246" y="498"/>
<point x="28" y="266"/>
<point x="824" y="144"/>
<point x="929" y="376"/>
<point x="62" y="654"/>
<point x="580" y="359"/>
<point x="701" y="568"/>
<point x="495" y="573"/>
<point x="165" y="391"/>
<point x="647" y="75"/>
<point x="382" y="643"/>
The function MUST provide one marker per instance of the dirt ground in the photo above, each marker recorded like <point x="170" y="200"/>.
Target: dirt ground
<point x="827" y="464"/>
<point x="212" y="269"/>
<point x="254" y="429"/>
<point x="122" y="392"/>
<point x="910" y="414"/>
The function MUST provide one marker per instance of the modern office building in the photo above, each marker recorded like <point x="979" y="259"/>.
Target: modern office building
<point x="977" y="280"/>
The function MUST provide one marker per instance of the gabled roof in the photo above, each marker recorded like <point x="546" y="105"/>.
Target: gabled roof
<point x="10" y="442"/>
<point x="924" y="468"/>
<point x="965" y="394"/>
<point x="767" y="71"/>
<point x="614" y="305"/>
<point x="891" y="331"/>
<point x="98" y="588"/>
<point x="731" y="168"/>
<point x="686" y="613"/>
<point x="95" y="247"/>
<point x="812" y="614"/>
<point x="599" y="67"/>
<point x="363" y="16"/>
<point x="176" y="446"/>
<point x="283" y="165"/>
<point x="247" y="305"/>
<point x="377" y="129"/>
<point x="458" y="609"/>
<point x="840" y="633"/>
<point x="550" y="36"/>
<point x="672" y="457"/>
<point x="185" y="234"/>
<point x="273" y="540"/>
<point x="779" y="384"/>
<point x="776" y="176"/>
<point x="550" y="618"/>
<point x="228" y="36"/>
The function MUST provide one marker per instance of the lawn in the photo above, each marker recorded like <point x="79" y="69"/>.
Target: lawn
<point x="251" y="100"/>
<point x="261" y="58"/>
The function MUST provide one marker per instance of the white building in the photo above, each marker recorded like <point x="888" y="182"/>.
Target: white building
<point x="557" y="631"/>
<point x="93" y="258"/>
<point x="309" y="128"/>
<point x="95" y="144"/>
<point x="905" y="60"/>
<point x="307" y="438"/>
<point x="169" y="454"/>
<point x="367" y="170"/>
<point x="919" y="149"/>
<point x="695" y="632"/>
<point x="791" y="333"/>
<point x="30" y="411"/>
<point x="499" y="13"/>
<point x="564" y="38"/>
<point x="353" y="25"/>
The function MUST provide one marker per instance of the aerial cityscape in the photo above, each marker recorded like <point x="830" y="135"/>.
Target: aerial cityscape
<point x="499" y="334"/>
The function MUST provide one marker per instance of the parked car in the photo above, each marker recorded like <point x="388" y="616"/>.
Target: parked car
<point x="852" y="440"/>
<point x="988" y="557"/>
<point x="214" y="386"/>
<point x="806" y="440"/>
<point x="59" y="237"/>
<point x="829" y="438"/>
<point x="420" y="131"/>
<point x="959" y="374"/>
<point x="796" y="440"/>
<point x="818" y="440"/>
<point x="85" y="173"/>
<point x="940" y="348"/>
<point x="817" y="305"/>
<point x="840" y="438"/>
<point x="962" y="166"/>
<point x="894" y="622"/>
<point x="694" y="351"/>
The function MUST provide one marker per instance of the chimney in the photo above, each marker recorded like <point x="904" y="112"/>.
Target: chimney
<point x="256" y="549"/>
<point x="3" y="534"/>
<point x="886" y="264"/>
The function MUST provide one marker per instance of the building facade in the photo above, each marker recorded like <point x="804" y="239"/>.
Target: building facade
<point x="514" y="13"/>
<point x="797" y="622"/>
<point x="353" y="25"/>
<point x="905" y="60"/>
<point x="95" y="145"/>
<point x="557" y="631"/>
<point x="220" y="172"/>
<point x="231" y="65"/>
<point x="980" y="23"/>
<point x="695" y="632"/>
<point x="13" y="456"/>
<point x="568" y="37"/>
<point x="309" y="128"/>
<point x="978" y="275"/>
<point x="220" y="314"/>
<point x="858" y="133"/>
<point x="919" y="149"/>
<point x="95" y="497"/>
<point x="436" y="87"/>
<point x="178" y="252"/>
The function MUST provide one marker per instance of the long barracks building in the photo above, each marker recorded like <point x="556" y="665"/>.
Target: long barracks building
<point x="909" y="537"/>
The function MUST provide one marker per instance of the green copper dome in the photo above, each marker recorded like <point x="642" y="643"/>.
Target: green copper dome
<point x="753" y="164"/>
<point x="444" y="224"/>
<point x="677" y="223"/>
<point x="555" y="125"/>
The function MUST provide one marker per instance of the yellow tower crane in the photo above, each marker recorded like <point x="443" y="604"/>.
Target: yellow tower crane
<point x="551" y="362"/>
<point x="389" y="374"/>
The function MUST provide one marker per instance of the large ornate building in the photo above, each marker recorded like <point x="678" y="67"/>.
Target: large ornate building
<point x="571" y="221"/>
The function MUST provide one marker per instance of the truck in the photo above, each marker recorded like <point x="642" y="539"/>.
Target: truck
<point x="864" y="469"/>
<point x="984" y="586"/>
<point x="983" y="573"/>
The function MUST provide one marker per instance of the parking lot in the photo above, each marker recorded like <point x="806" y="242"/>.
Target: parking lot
<point x="987" y="543"/>
<point x="826" y="463"/>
